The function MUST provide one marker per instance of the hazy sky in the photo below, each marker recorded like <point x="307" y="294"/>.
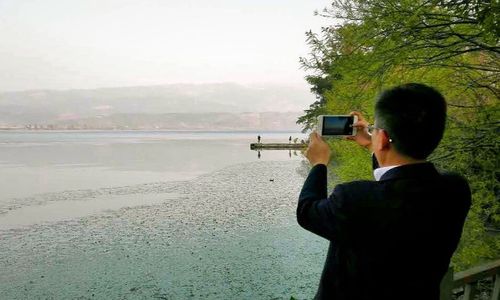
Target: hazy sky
<point x="63" y="44"/>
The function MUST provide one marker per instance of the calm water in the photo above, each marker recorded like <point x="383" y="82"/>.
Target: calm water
<point x="152" y="215"/>
<point x="41" y="162"/>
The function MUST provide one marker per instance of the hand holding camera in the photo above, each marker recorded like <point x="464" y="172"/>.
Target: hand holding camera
<point x="353" y="127"/>
<point x="362" y="137"/>
<point x="318" y="151"/>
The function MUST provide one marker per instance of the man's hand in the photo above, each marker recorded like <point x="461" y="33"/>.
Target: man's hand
<point x="318" y="151"/>
<point x="362" y="137"/>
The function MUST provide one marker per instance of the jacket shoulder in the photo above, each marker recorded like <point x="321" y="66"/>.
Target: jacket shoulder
<point x="356" y="186"/>
<point x="454" y="178"/>
<point x="456" y="184"/>
<point x="355" y="192"/>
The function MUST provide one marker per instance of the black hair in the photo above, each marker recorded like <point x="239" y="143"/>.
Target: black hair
<point x="414" y="116"/>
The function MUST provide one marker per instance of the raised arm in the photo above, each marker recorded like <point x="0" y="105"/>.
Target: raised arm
<point x="317" y="212"/>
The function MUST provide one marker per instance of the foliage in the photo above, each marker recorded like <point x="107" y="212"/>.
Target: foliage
<point x="450" y="45"/>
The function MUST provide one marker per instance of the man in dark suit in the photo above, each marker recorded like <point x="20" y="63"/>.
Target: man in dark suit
<point x="391" y="238"/>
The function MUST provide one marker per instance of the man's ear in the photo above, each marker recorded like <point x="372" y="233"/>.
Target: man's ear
<point x="377" y="143"/>
<point x="384" y="141"/>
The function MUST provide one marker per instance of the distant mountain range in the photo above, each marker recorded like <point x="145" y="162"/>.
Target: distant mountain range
<point x="225" y="106"/>
<point x="186" y="121"/>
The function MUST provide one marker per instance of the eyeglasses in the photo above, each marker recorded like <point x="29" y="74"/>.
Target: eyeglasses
<point x="371" y="128"/>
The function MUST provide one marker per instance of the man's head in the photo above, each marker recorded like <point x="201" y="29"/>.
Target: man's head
<point x="409" y="120"/>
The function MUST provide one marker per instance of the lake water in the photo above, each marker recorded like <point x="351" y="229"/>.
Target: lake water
<point x="153" y="215"/>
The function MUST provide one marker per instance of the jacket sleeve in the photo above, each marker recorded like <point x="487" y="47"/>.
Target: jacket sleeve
<point x="316" y="211"/>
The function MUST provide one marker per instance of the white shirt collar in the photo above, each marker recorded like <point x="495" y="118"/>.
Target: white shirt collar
<point x="379" y="172"/>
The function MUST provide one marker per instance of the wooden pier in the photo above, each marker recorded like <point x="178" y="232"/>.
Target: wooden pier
<point x="277" y="146"/>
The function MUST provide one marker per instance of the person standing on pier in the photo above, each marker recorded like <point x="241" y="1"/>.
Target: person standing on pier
<point x="290" y="140"/>
<point x="391" y="238"/>
<point x="258" y="139"/>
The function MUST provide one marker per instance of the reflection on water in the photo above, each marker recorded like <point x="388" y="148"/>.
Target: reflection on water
<point x="57" y="161"/>
<point x="259" y="155"/>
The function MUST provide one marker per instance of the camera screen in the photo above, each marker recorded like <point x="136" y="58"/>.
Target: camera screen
<point x="337" y="125"/>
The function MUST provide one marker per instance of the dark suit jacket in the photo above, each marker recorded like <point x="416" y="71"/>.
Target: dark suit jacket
<point x="389" y="239"/>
